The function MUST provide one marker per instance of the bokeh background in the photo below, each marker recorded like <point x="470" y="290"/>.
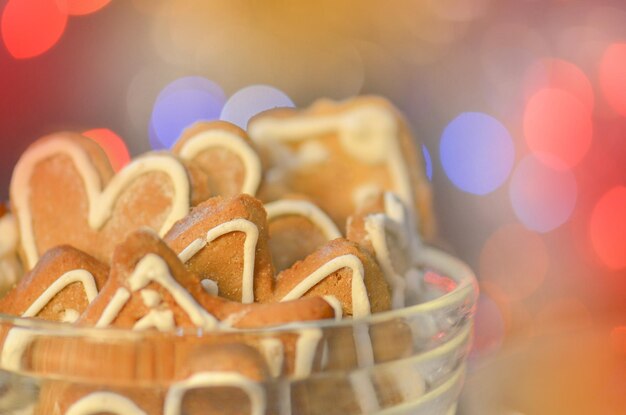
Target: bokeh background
<point x="520" y="106"/>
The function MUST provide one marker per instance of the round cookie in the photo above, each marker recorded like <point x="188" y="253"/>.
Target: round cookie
<point x="225" y="154"/>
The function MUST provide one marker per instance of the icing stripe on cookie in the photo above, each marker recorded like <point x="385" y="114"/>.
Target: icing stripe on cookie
<point x="360" y="300"/>
<point x="76" y="275"/>
<point x="306" y="346"/>
<point x="249" y="251"/>
<point x="176" y="393"/>
<point x="274" y="354"/>
<point x="109" y="402"/>
<point x="306" y="209"/>
<point x="101" y="202"/>
<point x="17" y="340"/>
<point x="153" y="268"/>
<point x="368" y="133"/>
<point x="232" y="142"/>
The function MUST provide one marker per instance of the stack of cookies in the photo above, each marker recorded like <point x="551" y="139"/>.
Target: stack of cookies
<point x="309" y="215"/>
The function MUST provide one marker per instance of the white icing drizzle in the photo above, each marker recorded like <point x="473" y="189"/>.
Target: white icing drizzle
<point x="360" y="300"/>
<point x="367" y="132"/>
<point x="150" y="298"/>
<point x="254" y="391"/>
<point x="8" y="235"/>
<point x="17" y="340"/>
<point x="273" y="352"/>
<point x="306" y="209"/>
<point x="210" y="286"/>
<point x="396" y="221"/>
<point x="231" y="142"/>
<point x="70" y="315"/>
<point x="306" y="346"/>
<point x="311" y="153"/>
<point x="365" y="392"/>
<point x="76" y="275"/>
<point x="375" y="226"/>
<point x="101" y="202"/>
<point x="363" y="193"/>
<point x="190" y="250"/>
<point x="233" y="318"/>
<point x="99" y="402"/>
<point x="335" y="304"/>
<point x="153" y="268"/>
<point x="162" y="320"/>
<point x="249" y="251"/>
<point x="117" y="302"/>
<point x="363" y="345"/>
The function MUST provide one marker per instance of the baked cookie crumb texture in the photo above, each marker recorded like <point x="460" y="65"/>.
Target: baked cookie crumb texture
<point x="308" y="216"/>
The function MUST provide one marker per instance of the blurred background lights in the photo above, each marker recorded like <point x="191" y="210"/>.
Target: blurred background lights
<point x="477" y="152"/>
<point x="251" y="100"/>
<point x="558" y="123"/>
<point x="559" y="74"/>
<point x="543" y="192"/>
<point x="180" y="104"/>
<point x="428" y="162"/>
<point x="112" y="144"/>
<point x="488" y="327"/>
<point x="31" y="27"/>
<point x="81" y="7"/>
<point x="515" y="260"/>
<point x="612" y="77"/>
<point x="608" y="228"/>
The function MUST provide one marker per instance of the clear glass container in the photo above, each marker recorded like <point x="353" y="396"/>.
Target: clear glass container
<point x="409" y="361"/>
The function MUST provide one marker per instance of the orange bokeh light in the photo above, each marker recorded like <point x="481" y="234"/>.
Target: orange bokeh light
<point x="31" y="27"/>
<point x="612" y="77"/>
<point x="515" y="260"/>
<point x="113" y="146"/>
<point x="81" y="7"/>
<point x="558" y="123"/>
<point x="607" y="228"/>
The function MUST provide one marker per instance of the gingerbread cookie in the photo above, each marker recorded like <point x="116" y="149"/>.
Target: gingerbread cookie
<point x="225" y="154"/>
<point x="297" y="227"/>
<point x="214" y="379"/>
<point x="225" y="240"/>
<point x="389" y="233"/>
<point x="340" y="269"/>
<point x="150" y="287"/>
<point x="10" y="266"/>
<point x="63" y="191"/>
<point x="342" y="154"/>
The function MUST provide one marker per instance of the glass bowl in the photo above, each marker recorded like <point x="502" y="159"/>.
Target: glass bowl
<point x="409" y="360"/>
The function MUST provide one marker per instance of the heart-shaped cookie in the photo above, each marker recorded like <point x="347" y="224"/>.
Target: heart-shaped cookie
<point x="63" y="191"/>
<point x="225" y="154"/>
<point x="341" y="154"/>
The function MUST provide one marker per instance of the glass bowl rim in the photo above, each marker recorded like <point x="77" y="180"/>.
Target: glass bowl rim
<point x="429" y="257"/>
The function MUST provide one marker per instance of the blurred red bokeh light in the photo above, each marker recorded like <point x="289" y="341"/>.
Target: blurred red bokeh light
<point x="608" y="228"/>
<point x="558" y="123"/>
<point x="31" y="27"/>
<point x="612" y="76"/>
<point x="81" y="7"/>
<point x="113" y="146"/>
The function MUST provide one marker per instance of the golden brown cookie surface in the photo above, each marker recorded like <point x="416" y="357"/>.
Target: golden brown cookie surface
<point x="63" y="191"/>
<point x="342" y="154"/>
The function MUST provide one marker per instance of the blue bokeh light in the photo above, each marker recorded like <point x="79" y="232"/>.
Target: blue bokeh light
<point x="251" y="100"/>
<point x="543" y="192"/>
<point x="477" y="152"/>
<point x="180" y="104"/>
<point x="428" y="162"/>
